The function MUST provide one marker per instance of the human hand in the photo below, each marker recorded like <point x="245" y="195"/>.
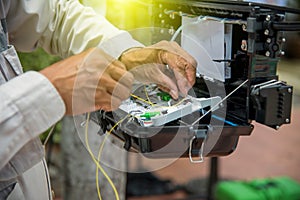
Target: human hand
<point x="90" y="81"/>
<point x="149" y="65"/>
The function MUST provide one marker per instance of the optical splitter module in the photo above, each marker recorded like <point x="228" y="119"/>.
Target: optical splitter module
<point x="153" y="107"/>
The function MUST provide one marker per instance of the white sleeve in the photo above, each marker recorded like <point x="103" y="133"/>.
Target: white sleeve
<point x="64" y="28"/>
<point x="29" y="105"/>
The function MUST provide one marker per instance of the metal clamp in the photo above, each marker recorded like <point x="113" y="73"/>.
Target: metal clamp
<point x="200" y="153"/>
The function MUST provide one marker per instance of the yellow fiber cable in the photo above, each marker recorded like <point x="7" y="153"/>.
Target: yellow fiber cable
<point x="97" y="172"/>
<point x="97" y="163"/>
<point x="100" y="152"/>
<point x="139" y="98"/>
<point x="146" y="93"/>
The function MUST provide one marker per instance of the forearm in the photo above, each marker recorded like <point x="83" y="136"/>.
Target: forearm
<point x="29" y="105"/>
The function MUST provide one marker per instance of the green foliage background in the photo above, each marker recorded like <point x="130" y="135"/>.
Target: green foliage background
<point x="36" y="61"/>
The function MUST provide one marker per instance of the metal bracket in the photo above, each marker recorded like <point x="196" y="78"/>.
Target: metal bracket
<point x="201" y="159"/>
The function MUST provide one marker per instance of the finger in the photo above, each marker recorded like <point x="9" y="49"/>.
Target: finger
<point x="119" y="91"/>
<point x="181" y="66"/>
<point x="169" y="86"/>
<point x="118" y="64"/>
<point x="182" y="83"/>
<point x="107" y="102"/>
<point x="184" y="54"/>
<point x="115" y="88"/>
<point x="188" y="70"/>
<point x="122" y="76"/>
<point x="165" y="89"/>
<point x="185" y="75"/>
<point x="177" y="58"/>
<point x="174" y="48"/>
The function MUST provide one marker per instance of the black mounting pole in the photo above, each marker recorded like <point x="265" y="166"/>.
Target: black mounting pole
<point x="213" y="178"/>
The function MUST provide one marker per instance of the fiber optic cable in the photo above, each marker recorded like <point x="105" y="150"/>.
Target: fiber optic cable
<point x="99" y="157"/>
<point x="97" y="162"/>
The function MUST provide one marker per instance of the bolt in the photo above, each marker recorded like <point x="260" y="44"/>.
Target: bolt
<point x="289" y="90"/>
<point x="266" y="32"/>
<point x="282" y="53"/>
<point x="268" y="53"/>
<point x="287" y="120"/>
<point x="268" y="18"/>
<point x="269" y="40"/>
<point x="283" y="39"/>
<point x="277" y="127"/>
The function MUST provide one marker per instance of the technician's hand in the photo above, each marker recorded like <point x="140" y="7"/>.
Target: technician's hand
<point x="90" y="81"/>
<point x="164" y="63"/>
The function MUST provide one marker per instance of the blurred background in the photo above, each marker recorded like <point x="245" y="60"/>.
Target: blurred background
<point x="266" y="153"/>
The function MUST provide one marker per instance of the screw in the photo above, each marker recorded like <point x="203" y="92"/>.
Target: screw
<point x="268" y="53"/>
<point x="268" y="18"/>
<point x="287" y="120"/>
<point x="266" y="32"/>
<point x="283" y="39"/>
<point x="289" y="90"/>
<point x="277" y="127"/>
<point x="269" y="40"/>
<point x="282" y="53"/>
